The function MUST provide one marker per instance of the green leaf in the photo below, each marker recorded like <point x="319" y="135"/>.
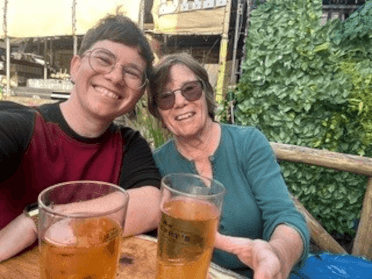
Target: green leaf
<point x="353" y="199"/>
<point x="331" y="188"/>
<point x="317" y="72"/>
<point x="268" y="71"/>
<point x="340" y="204"/>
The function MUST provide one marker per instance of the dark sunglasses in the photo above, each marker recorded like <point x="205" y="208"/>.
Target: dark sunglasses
<point x="192" y="91"/>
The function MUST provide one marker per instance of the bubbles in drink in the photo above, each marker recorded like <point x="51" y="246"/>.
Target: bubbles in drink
<point x="81" y="248"/>
<point x="186" y="238"/>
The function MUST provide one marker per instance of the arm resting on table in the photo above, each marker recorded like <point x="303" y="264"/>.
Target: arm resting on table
<point x="143" y="210"/>
<point x="16" y="236"/>
<point x="143" y="215"/>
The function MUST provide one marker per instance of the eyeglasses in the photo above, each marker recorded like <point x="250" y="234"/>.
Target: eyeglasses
<point x="192" y="91"/>
<point x="103" y="61"/>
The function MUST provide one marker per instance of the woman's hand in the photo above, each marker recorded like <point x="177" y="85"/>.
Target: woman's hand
<point x="16" y="236"/>
<point x="268" y="260"/>
<point x="259" y="255"/>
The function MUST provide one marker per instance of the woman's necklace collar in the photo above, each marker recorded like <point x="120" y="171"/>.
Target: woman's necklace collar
<point x="205" y="147"/>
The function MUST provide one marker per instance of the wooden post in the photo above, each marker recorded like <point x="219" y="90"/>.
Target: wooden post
<point x="45" y="59"/>
<point x="363" y="240"/>
<point x="7" y="41"/>
<point x="141" y="14"/>
<point x="318" y="234"/>
<point x="74" y="36"/>
<point x="221" y="79"/>
<point x="342" y="162"/>
<point x="239" y="15"/>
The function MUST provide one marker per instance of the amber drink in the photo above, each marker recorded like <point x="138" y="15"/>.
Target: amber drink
<point x="87" y="248"/>
<point x="186" y="233"/>
<point x="81" y="238"/>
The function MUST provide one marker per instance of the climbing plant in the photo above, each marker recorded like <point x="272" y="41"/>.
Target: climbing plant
<point x="310" y="85"/>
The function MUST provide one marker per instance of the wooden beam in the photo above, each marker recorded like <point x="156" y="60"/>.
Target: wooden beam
<point x="332" y="160"/>
<point x="363" y="240"/>
<point x="318" y="234"/>
<point x="341" y="162"/>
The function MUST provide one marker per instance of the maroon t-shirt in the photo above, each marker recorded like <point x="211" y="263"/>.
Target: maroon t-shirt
<point x="38" y="149"/>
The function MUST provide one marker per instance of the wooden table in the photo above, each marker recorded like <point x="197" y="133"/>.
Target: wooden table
<point x="137" y="260"/>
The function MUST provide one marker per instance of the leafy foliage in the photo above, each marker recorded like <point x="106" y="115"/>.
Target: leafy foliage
<point x="309" y="85"/>
<point x="354" y="38"/>
<point x="149" y="127"/>
<point x="357" y="28"/>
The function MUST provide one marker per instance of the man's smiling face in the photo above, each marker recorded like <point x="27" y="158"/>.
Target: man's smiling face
<point x="106" y="95"/>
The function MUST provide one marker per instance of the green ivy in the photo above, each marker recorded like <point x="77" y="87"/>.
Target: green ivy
<point x="309" y="85"/>
<point x="360" y="99"/>
<point x="357" y="28"/>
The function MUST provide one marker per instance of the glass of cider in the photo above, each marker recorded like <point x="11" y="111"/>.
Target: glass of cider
<point x="80" y="229"/>
<point x="191" y="208"/>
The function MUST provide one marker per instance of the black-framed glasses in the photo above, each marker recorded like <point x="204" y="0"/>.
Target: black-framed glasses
<point x="104" y="61"/>
<point x="192" y="91"/>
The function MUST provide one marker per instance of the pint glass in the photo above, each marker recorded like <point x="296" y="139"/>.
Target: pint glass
<point x="191" y="208"/>
<point x="80" y="229"/>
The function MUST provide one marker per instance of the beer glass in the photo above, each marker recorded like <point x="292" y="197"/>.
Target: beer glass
<point x="191" y="208"/>
<point x="80" y="229"/>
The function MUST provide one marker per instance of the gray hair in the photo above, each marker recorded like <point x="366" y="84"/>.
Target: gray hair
<point x="160" y="77"/>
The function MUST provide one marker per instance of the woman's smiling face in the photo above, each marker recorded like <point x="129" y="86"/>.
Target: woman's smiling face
<point x="185" y="119"/>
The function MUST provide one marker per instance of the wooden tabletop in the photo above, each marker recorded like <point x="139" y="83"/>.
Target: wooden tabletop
<point x="137" y="260"/>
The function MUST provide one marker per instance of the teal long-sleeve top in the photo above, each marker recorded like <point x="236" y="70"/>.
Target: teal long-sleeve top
<point x="257" y="198"/>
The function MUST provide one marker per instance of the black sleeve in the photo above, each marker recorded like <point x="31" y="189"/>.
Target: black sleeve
<point x="138" y="167"/>
<point x="16" y="126"/>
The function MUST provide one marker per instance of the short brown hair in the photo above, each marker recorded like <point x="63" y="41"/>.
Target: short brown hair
<point x="160" y="77"/>
<point x="121" y="29"/>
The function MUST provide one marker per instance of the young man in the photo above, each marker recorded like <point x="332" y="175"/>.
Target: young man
<point x="77" y="140"/>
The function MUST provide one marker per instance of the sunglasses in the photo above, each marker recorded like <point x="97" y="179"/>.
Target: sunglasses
<point x="191" y="91"/>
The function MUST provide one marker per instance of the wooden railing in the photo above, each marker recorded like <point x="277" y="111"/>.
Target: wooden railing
<point x="362" y="245"/>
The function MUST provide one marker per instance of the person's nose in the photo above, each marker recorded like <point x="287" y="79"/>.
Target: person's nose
<point x="179" y="99"/>
<point x="116" y="75"/>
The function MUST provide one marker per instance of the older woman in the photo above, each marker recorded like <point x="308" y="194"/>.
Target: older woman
<point x="260" y="228"/>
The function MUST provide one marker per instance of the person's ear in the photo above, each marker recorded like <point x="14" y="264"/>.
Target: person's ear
<point x="75" y="64"/>
<point x="161" y="121"/>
